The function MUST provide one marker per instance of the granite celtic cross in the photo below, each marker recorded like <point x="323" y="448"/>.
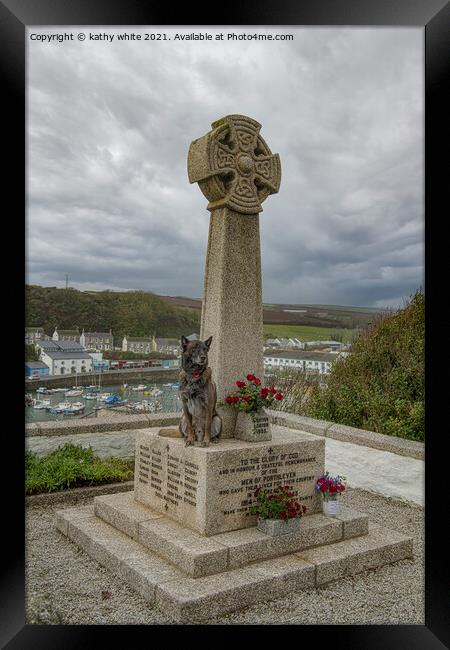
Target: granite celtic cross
<point x="236" y="171"/>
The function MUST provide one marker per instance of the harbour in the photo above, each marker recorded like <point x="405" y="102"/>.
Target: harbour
<point x="70" y="402"/>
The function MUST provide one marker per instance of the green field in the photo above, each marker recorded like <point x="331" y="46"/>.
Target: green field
<point x="305" y="332"/>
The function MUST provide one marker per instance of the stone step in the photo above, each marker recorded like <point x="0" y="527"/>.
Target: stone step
<point x="198" y="555"/>
<point x="187" y="600"/>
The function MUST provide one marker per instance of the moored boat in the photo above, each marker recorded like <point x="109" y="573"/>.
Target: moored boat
<point x="41" y="403"/>
<point x="103" y="396"/>
<point x="75" y="392"/>
<point x="75" y="409"/>
<point x="59" y="408"/>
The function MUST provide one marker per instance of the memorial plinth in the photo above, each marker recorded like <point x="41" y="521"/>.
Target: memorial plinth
<point x="211" y="489"/>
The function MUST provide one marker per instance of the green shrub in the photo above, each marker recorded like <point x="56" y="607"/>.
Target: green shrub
<point x="72" y="466"/>
<point x="381" y="385"/>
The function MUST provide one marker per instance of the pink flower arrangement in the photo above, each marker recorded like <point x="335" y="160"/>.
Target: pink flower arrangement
<point x="330" y="486"/>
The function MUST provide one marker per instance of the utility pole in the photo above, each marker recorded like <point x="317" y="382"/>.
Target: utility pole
<point x="67" y="280"/>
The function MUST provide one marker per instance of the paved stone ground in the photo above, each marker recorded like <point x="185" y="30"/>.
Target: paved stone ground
<point x="64" y="586"/>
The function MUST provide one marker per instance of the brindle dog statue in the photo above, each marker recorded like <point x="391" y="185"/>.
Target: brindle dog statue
<point x="200" y="420"/>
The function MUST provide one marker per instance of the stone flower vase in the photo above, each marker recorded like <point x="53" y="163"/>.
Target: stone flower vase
<point x="275" y="527"/>
<point x="331" y="506"/>
<point x="253" y="427"/>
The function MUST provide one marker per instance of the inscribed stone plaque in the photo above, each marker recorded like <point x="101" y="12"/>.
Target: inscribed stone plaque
<point x="211" y="489"/>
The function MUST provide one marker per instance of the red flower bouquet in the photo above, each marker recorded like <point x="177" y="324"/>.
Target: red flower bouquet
<point x="330" y="486"/>
<point x="279" y="504"/>
<point x="251" y="397"/>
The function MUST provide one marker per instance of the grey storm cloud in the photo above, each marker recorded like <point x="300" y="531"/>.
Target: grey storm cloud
<point x="108" y="131"/>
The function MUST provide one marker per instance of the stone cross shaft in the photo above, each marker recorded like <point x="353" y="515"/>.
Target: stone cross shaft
<point x="236" y="171"/>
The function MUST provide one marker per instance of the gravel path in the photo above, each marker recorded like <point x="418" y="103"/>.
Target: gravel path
<point x="64" y="586"/>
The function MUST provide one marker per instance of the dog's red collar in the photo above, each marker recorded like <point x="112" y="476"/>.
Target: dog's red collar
<point x="196" y="374"/>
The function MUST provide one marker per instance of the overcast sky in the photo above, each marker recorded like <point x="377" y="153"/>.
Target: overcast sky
<point x="109" y="128"/>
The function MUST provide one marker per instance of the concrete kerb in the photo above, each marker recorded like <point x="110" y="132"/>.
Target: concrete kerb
<point x="105" y="424"/>
<point x="361" y="437"/>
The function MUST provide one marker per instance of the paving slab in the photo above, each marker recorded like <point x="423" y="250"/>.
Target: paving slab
<point x="123" y="512"/>
<point x="252" y="545"/>
<point x="193" y="553"/>
<point x="354" y="523"/>
<point x="381" y="546"/>
<point x="66" y="515"/>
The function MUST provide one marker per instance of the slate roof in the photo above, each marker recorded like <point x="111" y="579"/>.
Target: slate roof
<point x="61" y="346"/>
<point x="48" y="344"/>
<point x="68" y="332"/>
<point x="34" y="329"/>
<point x="36" y="364"/>
<point x="102" y="335"/>
<point x="59" y="354"/>
<point x="301" y="354"/>
<point x="70" y="345"/>
<point x="138" y="339"/>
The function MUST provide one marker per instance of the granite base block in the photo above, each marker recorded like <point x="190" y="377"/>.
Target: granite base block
<point x="186" y="599"/>
<point x="212" y="489"/>
<point x="198" y="555"/>
<point x="379" y="547"/>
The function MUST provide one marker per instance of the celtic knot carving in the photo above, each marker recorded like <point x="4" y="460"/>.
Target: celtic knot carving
<point x="243" y="188"/>
<point x="233" y="165"/>
<point x="263" y="168"/>
<point x="224" y="159"/>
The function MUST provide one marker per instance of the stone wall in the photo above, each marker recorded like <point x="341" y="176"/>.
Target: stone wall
<point x="108" y="378"/>
<point x="387" y="465"/>
<point x="111" y="435"/>
<point x="384" y="464"/>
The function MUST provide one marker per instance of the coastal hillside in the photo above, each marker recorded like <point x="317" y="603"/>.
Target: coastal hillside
<point x="326" y="316"/>
<point x="136" y="313"/>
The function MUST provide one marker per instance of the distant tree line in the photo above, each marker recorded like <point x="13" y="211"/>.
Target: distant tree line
<point x="133" y="313"/>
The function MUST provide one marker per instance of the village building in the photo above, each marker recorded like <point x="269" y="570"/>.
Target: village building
<point x="316" y="362"/>
<point x="33" y="334"/>
<point x="99" y="364"/>
<point x="36" y="369"/>
<point x="139" y="344"/>
<point x="322" y="345"/>
<point x="285" y="343"/>
<point x="167" y="345"/>
<point x="66" y="335"/>
<point x="65" y="357"/>
<point x="97" y="341"/>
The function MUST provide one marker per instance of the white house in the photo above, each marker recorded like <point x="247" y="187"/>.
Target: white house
<point x="285" y="343"/>
<point x="97" y="341"/>
<point x="65" y="357"/>
<point x="139" y="344"/>
<point x="66" y="335"/>
<point x="315" y="362"/>
<point x="332" y="345"/>
<point x="33" y="334"/>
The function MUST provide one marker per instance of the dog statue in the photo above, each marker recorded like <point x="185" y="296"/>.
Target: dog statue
<point x="200" y="420"/>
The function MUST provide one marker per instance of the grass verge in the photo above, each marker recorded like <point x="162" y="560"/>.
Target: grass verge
<point x="307" y="332"/>
<point x="72" y="466"/>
